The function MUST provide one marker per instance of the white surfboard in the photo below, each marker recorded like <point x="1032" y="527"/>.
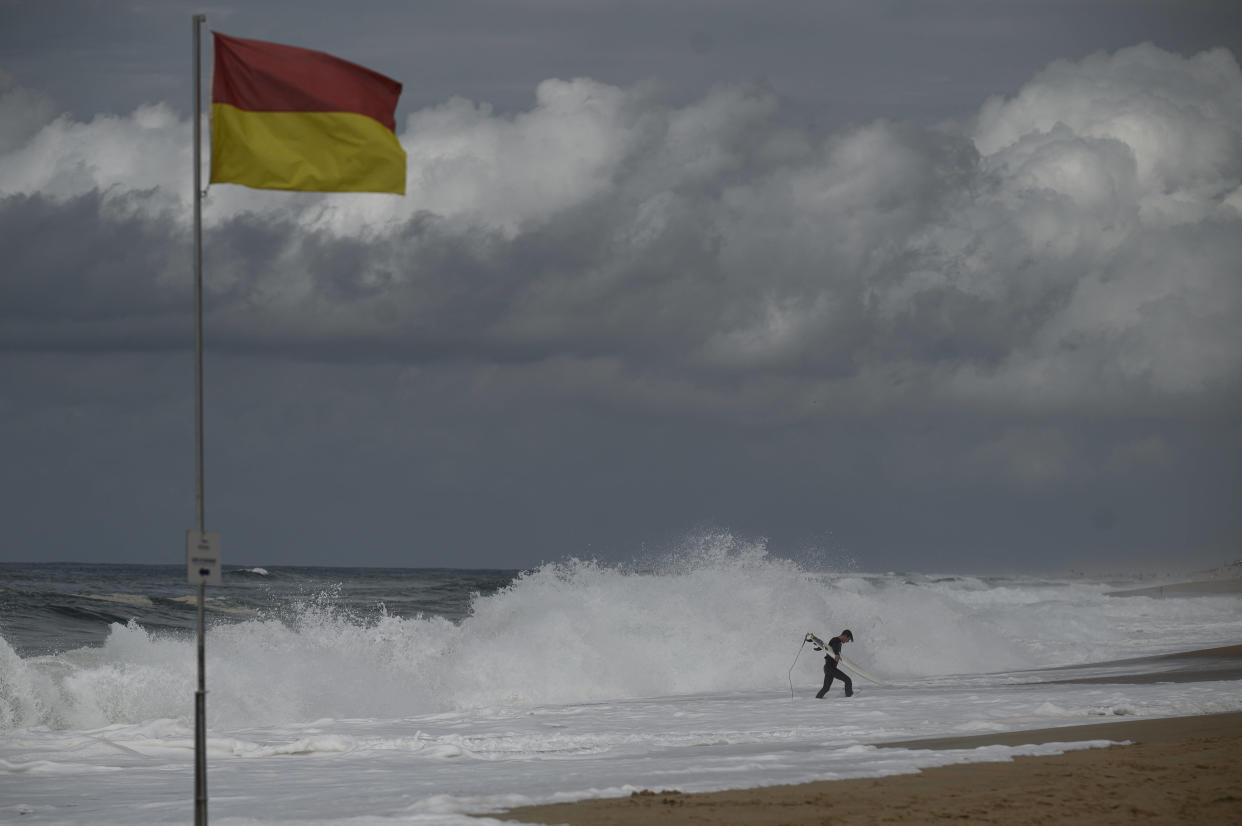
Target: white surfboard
<point x="860" y="672"/>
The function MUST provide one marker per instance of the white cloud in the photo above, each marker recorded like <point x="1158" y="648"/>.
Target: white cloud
<point x="1178" y="116"/>
<point x="506" y="172"/>
<point x="148" y="150"/>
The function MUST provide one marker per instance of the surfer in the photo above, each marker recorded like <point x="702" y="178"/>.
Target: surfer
<point x="831" y="671"/>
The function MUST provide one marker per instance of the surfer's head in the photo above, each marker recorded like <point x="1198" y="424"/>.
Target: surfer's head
<point x="847" y="635"/>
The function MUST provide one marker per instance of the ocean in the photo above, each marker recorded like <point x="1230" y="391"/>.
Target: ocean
<point x="367" y="696"/>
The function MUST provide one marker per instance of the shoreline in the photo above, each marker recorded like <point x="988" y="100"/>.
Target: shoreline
<point x="1177" y="769"/>
<point x="1195" y="588"/>
<point x="1199" y="665"/>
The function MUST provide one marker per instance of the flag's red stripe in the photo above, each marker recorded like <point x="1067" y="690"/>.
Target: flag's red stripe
<point x="258" y="76"/>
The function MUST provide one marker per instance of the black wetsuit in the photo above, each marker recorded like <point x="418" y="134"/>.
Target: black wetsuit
<point x="831" y="671"/>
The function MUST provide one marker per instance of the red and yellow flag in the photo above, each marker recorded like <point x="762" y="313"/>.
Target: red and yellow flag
<point x="289" y="118"/>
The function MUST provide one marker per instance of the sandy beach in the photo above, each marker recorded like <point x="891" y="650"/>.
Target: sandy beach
<point x="1179" y="770"/>
<point x="1170" y="770"/>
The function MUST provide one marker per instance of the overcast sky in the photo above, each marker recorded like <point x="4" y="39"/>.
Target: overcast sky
<point x="935" y="286"/>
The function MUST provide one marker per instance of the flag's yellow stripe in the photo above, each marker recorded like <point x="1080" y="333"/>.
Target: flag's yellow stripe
<point x="314" y="151"/>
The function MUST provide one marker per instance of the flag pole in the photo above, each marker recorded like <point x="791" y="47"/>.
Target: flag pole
<point x="199" y="498"/>
<point x="200" y="696"/>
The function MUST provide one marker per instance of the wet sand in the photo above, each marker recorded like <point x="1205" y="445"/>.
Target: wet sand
<point x="1209" y="587"/>
<point x="1181" y="770"/>
<point x="1176" y="770"/>
<point x="1184" y="667"/>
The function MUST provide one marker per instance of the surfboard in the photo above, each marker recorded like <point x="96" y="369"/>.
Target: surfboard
<point x="861" y="673"/>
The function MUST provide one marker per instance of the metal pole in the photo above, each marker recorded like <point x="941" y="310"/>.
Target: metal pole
<point x="199" y="496"/>
<point x="200" y="727"/>
<point x="200" y="696"/>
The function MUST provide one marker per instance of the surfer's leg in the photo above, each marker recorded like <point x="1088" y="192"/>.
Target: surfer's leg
<point x="828" y="671"/>
<point x="832" y="672"/>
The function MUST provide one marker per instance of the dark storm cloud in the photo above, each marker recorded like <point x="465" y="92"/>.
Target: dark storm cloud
<point x="837" y="61"/>
<point x="615" y="313"/>
<point x="1027" y="253"/>
<point x="80" y="275"/>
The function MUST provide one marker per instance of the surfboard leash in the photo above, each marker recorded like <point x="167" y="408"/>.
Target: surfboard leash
<point x="819" y="646"/>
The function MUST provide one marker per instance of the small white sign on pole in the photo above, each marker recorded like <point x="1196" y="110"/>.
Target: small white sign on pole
<point x="202" y="558"/>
